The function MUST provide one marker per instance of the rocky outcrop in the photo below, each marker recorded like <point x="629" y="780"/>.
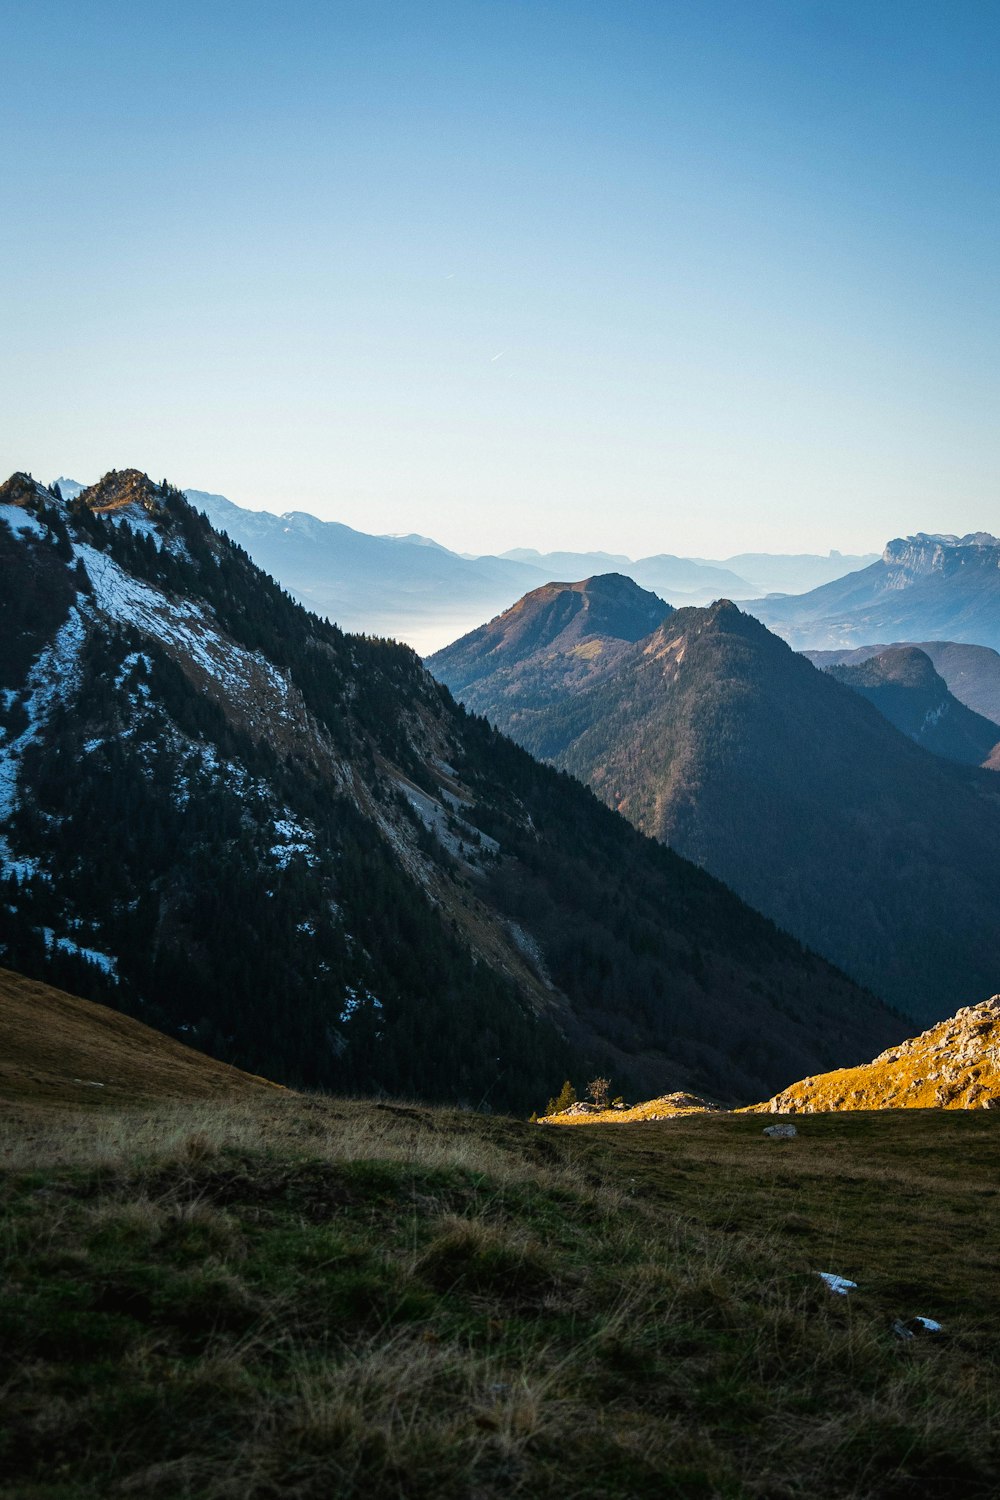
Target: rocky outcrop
<point x="955" y="1065"/>
<point x="666" y="1107"/>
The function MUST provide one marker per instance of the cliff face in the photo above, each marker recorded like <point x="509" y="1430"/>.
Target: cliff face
<point x="922" y="554"/>
<point x="922" y="588"/>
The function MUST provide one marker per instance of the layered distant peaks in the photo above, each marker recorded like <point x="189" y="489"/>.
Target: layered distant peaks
<point x="713" y="736"/>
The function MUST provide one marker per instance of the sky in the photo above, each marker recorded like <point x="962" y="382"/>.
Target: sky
<point x="677" y="277"/>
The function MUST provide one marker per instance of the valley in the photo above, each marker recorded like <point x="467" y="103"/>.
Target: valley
<point x="314" y="865"/>
<point x="290" y="934"/>
<point x="500" y="786"/>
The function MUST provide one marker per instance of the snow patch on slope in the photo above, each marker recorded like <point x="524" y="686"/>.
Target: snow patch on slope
<point x="52" y="679"/>
<point x="187" y="630"/>
<point x="22" y="521"/>
<point x="291" y="839"/>
<point x="102" y="961"/>
<point x="932" y="718"/>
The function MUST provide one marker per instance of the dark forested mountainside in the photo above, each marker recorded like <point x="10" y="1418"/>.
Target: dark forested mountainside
<point x="903" y="685"/>
<point x="714" y="736"/>
<point x="293" y="849"/>
<point x="921" y="588"/>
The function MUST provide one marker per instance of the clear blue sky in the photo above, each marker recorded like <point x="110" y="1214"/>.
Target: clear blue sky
<point x="691" y="277"/>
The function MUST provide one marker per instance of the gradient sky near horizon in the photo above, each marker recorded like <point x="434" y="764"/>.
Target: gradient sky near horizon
<point x="689" y="277"/>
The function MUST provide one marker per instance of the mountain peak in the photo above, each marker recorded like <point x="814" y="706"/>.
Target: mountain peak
<point x="904" y="684"/>
<point x="572" y="629"/>
<point x="21" y="490"/>
<point x="120" y="488"/>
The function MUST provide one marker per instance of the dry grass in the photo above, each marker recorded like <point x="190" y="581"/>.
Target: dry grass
<point x="56" y="1049"/>
<point x="288" y="1296"/>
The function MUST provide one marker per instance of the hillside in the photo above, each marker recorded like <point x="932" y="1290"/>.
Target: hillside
<point x="904" y="686"/>
<point x="922" y="588"/>
<point x="712" y="735"/>
<point x="971" y="672"/>
<point x="955" y="1065"/>
<point x="292" y="849"/>
<point x="58" y="1049"/>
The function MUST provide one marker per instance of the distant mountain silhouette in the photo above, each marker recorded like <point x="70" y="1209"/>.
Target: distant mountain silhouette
<point x="793" y="573"/>
<point x="680" y="577"/>
<point x="903" y="685"/>
<point x="971" y="672"/>
<point x="406" y="586"/>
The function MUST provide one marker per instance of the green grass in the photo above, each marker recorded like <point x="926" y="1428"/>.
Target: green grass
<point x="309" y="1298"/>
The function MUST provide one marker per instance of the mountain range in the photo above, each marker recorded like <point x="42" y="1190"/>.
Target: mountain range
<point x="712" y="735"/>
<point x="923" y="587"/>
<point x="406" y="587"/>
<point x="290" y="847"/>
<point x="409" y="586"/>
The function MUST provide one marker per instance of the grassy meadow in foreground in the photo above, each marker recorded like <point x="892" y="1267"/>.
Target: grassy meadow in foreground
<point x="305" y="1297"/>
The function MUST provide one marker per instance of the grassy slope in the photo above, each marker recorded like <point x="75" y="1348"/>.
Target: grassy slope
<point x="282" y="1295"/>
<point x="58" y="1049"/>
